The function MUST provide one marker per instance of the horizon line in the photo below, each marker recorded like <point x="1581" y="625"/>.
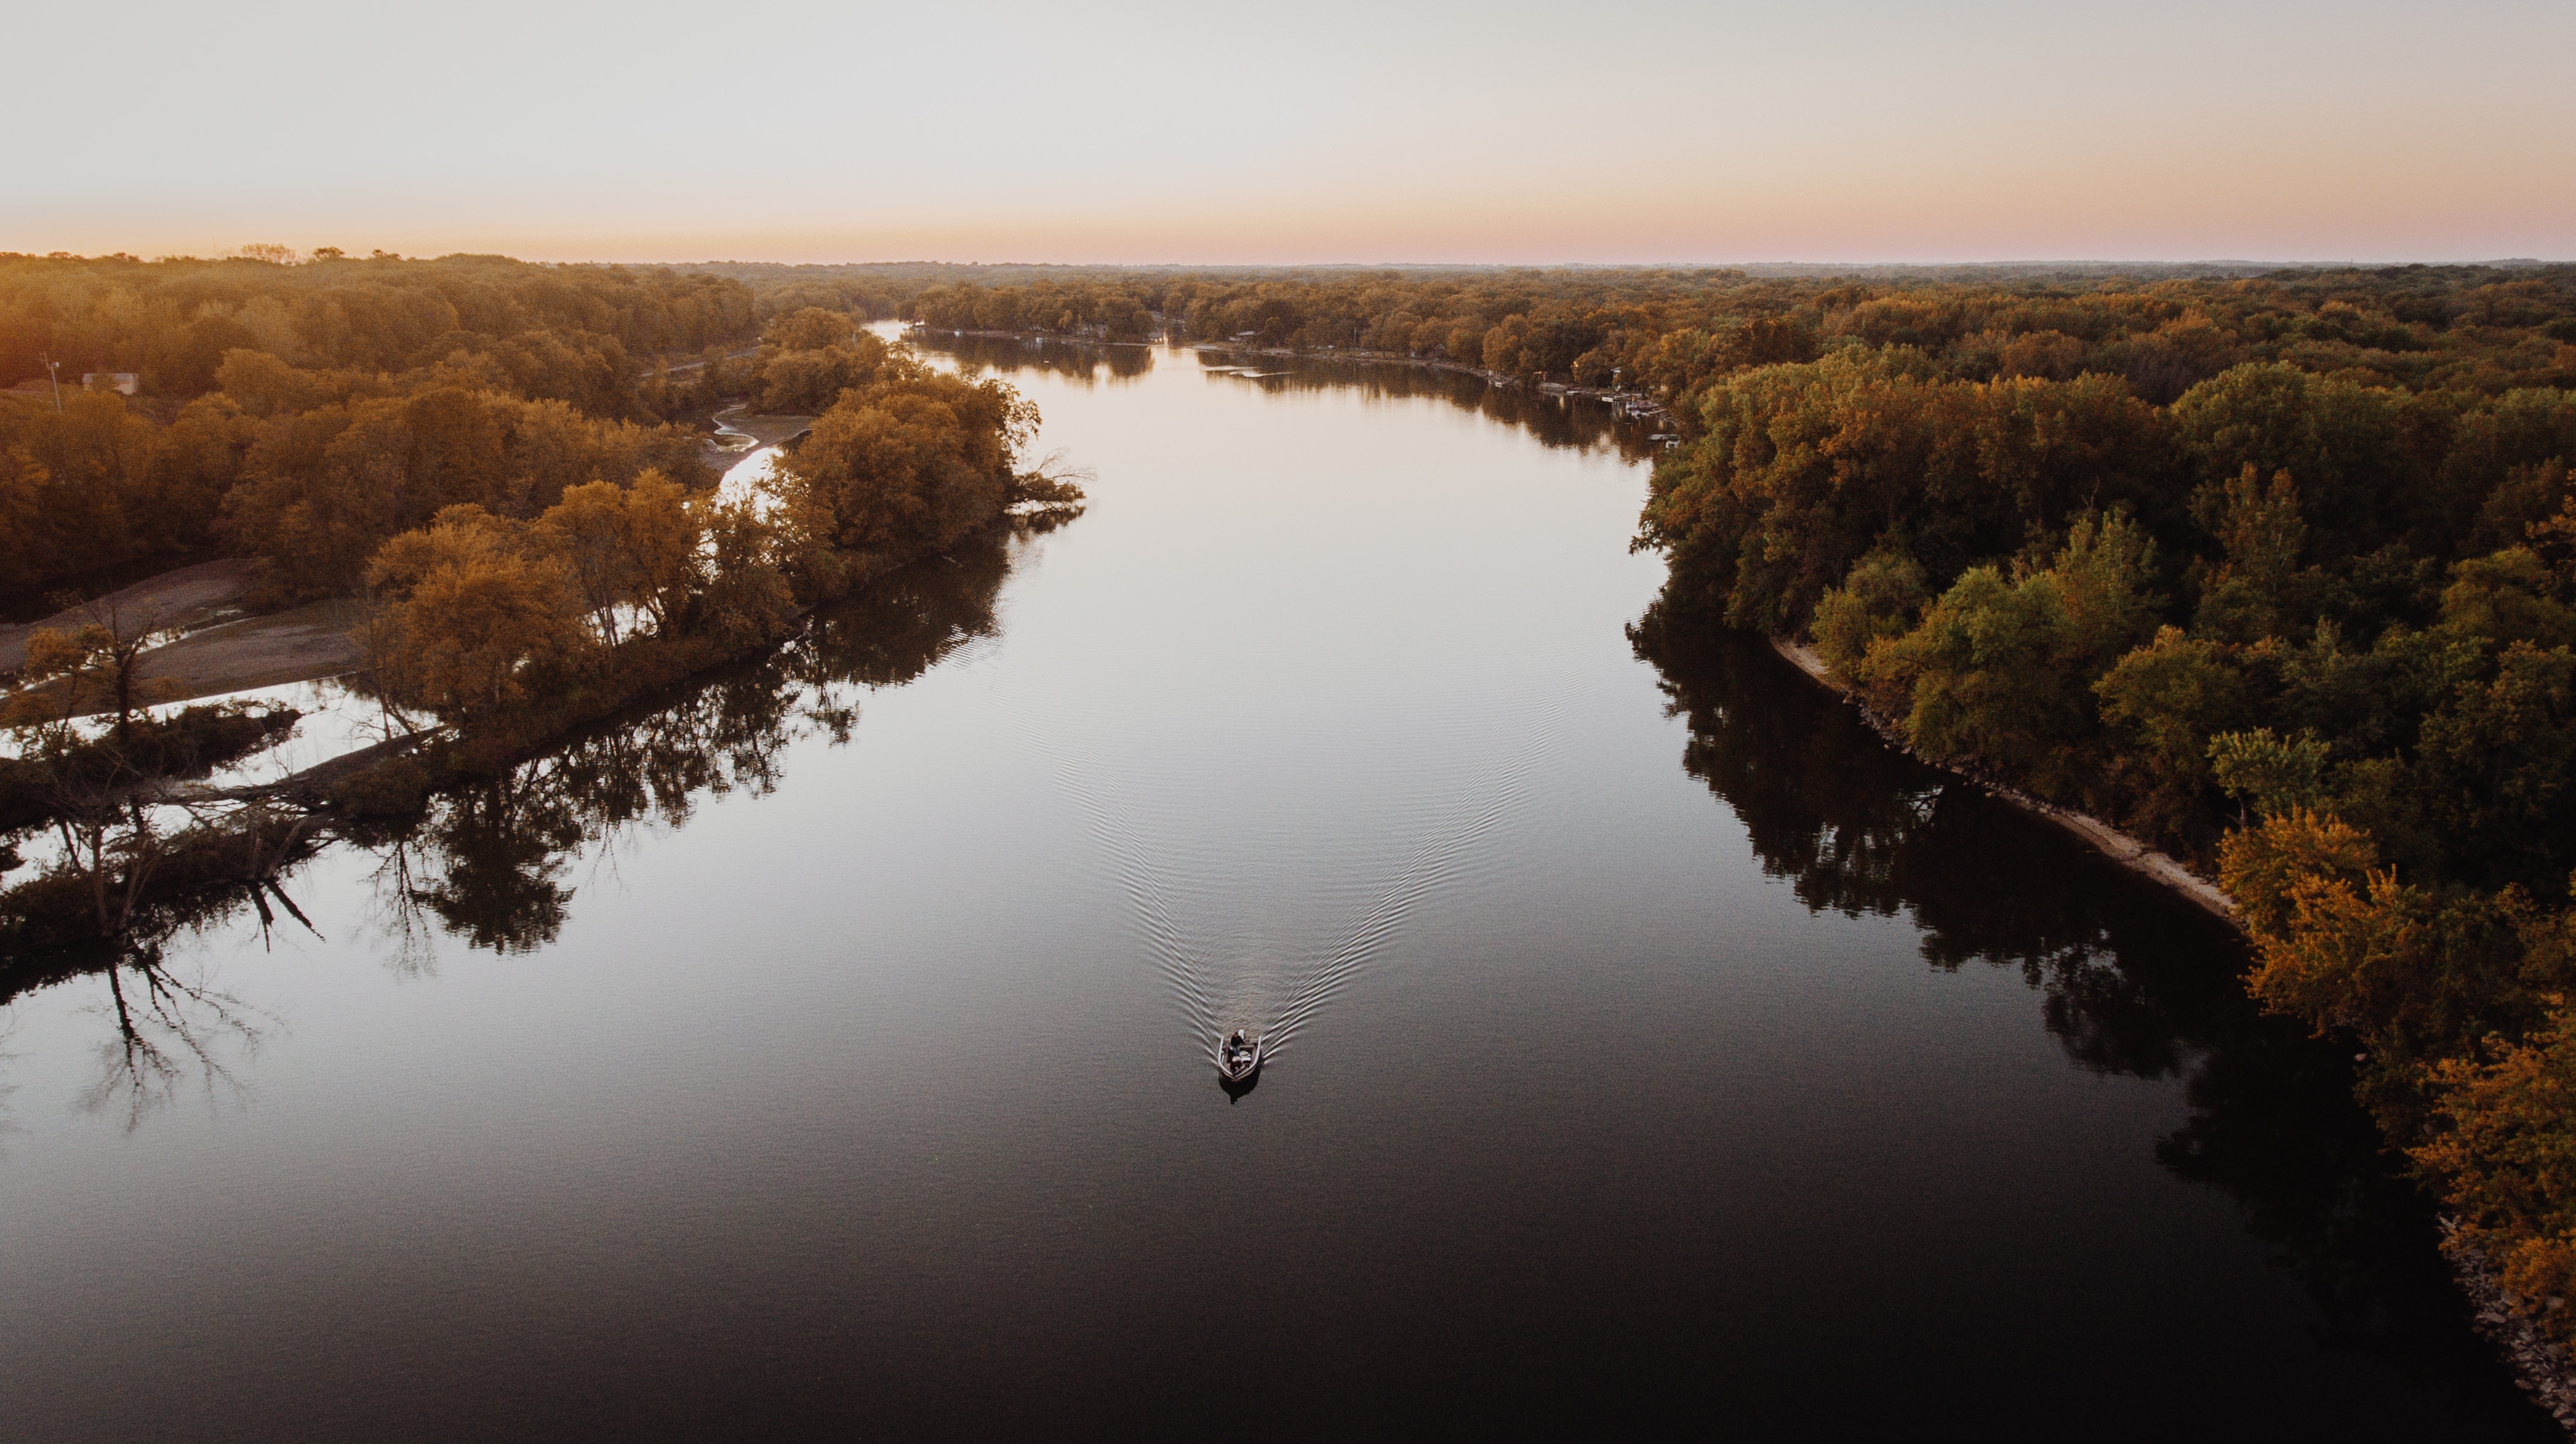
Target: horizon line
<point x="2238" y="262"/>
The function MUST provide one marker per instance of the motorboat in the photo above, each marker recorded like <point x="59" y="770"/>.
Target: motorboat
<point x="1238" y="1057"/>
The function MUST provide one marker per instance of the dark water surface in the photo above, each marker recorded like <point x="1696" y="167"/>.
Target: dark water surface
<point x="828" y="1051"/>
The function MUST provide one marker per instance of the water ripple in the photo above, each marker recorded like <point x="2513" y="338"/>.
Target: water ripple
<point x="1237" y="853"/>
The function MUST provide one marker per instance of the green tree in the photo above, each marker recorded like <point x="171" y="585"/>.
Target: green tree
<point x="2160" y="703"/>
<point x="2267" y="775"/>
<point x="1880" y="599"/>
<point x="2341" y="439"/>
<point x="1999" y="673"/>
<point x="2248" y="597"/>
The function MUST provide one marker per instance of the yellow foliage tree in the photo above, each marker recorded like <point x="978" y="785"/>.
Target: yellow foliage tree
<point x="2504" y="1150"/>
<point x="94" y="667"/>
<point x="468" y="604"/>
<point x="907" y="467"/>
<point x="2326" y="920"/>
<point x="743" y="594"/>
<point x="632" y="546"/>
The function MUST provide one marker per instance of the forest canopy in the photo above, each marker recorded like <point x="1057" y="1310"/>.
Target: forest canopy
<point x="2279" y="574"/>
<point x="508" y="461"/>
<point x="306" y="413"/>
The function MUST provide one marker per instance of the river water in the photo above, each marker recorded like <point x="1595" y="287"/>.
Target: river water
<point x="829" y="1048"/>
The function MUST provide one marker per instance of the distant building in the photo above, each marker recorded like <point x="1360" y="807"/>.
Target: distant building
<point x="125" y="382"/>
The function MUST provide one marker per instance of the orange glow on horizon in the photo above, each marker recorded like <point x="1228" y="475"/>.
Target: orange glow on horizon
<point x="1855" y="131"/>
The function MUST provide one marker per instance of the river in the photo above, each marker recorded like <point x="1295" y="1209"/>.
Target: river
<point x="828" y="1049"/>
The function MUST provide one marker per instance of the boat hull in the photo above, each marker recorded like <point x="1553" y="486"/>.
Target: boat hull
<point x="1238" y="1066"/>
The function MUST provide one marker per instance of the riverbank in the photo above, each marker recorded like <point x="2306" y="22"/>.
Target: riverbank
<point x="230" y="837"/>
<point x="181" y="598"/>
<point x="2542" y="1369"/>
<point x="2156" y="866"/>
<point x="2545" y="1370"/>
<point x="218" y="645"/>
<point x="388" y="783"/>
<point x="215" y="645"/>
<point x="739" y="433"/>
<point x="1630" y="405"/>
<point x="1394" y="358"/>
<point x="1633" y="406"/>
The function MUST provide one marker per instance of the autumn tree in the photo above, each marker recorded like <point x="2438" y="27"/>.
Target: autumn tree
<point x="626" y="547"/>
<point x="466" y="605"/>
<point x="805" y="380"/>
<point x="907" y="467"/>
<point x="94" y="667"/>
<point x="2502" y="1145"/>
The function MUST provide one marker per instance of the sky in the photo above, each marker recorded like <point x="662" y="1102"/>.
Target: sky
<point x="1315" y="132"/>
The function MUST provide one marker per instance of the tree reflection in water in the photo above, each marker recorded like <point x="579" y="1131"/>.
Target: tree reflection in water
<point x="2132" y="982"/>
<point x="167" y="1031"/>
<point x="169" y="1026"/>
<point x="1085" y="363"/>
<point x="1553" y="421"/>
<point x="488" y="863"/>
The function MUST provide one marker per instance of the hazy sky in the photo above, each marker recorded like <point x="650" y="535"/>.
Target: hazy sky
<point x="1303" y="131"/>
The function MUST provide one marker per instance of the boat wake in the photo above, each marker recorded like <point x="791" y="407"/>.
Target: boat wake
<point x="1431" y="864"/>
<point x="1262" y="890"/>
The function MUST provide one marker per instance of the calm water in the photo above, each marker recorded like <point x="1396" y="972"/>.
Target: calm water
<point x="829" y="1049"/>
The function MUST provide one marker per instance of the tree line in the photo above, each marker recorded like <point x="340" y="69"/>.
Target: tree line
<point x="511" y="622"/>
<point x="2308" y="619"/>
<point x="172" y="321"/>
<point x="305" y="413"/>
<point x="1673" y="332"/>
<point x="2275" y="570"/>
<point x="535" y="550"/>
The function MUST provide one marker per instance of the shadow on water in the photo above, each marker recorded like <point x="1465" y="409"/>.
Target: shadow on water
<point x="1085" y="363"/>
<point x="1574" y="423"/>
<point x="487" y="865"/>
<point x="1562" y="422"/>
<point x="490" y="864"/>
<point x="2130" y="982"/>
